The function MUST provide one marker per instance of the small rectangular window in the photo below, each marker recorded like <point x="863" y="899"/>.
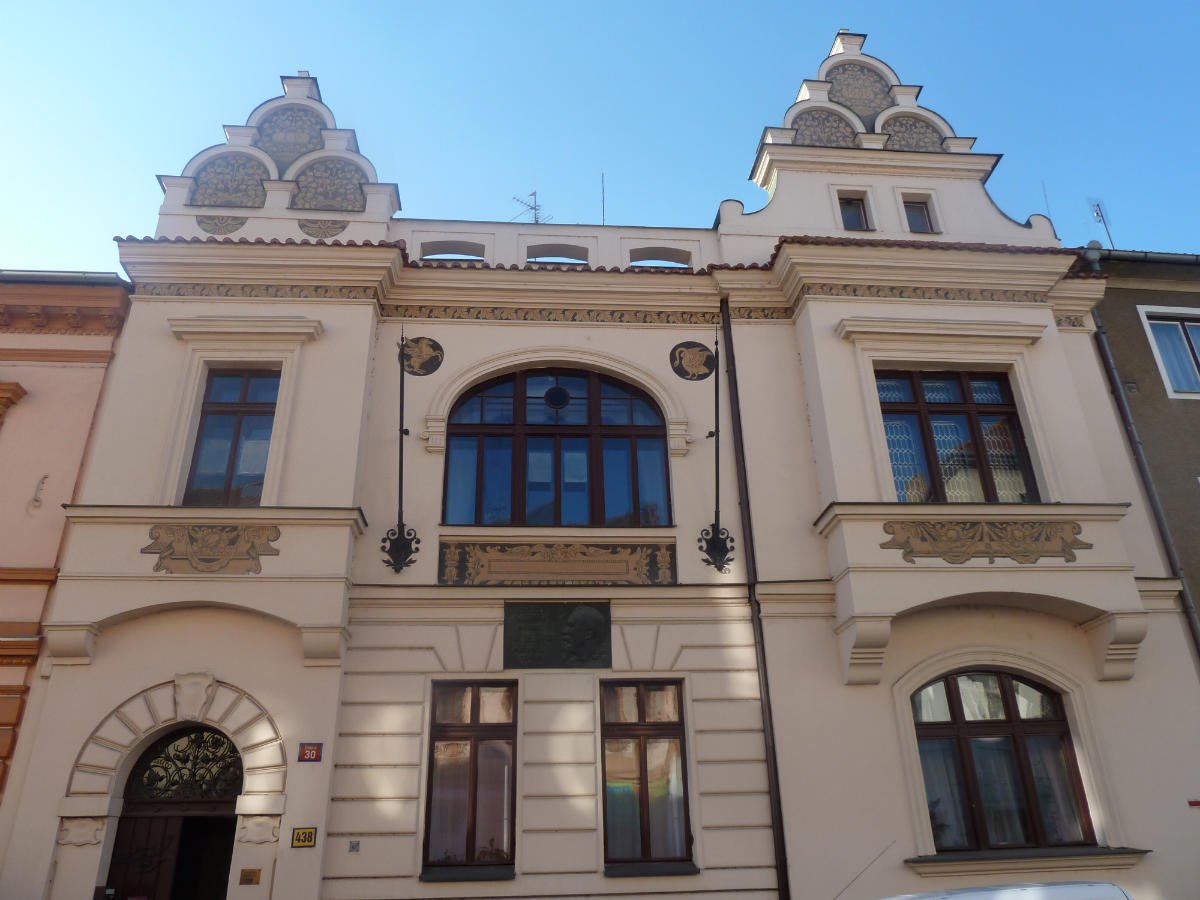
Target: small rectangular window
<point x="469" y="831"/>
<point x="917" y="214"/>
<point x="854" y="213"/>
<point x="233" y="438"/>
<point x="1178" y="345"/>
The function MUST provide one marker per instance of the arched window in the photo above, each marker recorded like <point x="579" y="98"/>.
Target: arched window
<point x="556" y="447"/>
<point x="998" y="764"/>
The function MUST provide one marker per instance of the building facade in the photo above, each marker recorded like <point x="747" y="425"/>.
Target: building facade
<point x="797" y="557"/>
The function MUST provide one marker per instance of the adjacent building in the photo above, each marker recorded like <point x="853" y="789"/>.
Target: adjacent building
<point x="802" y="556"/>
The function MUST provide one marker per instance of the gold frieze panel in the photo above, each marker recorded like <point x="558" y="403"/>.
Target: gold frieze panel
<point x="465" y="562"/>
<point x="228" y="549"/>
<point x="958" y="541"/>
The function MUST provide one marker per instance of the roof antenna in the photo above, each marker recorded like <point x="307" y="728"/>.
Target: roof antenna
<point x="1100" y="214"/>
<point x="531" y="207"/>
<point x="602" y="199"/>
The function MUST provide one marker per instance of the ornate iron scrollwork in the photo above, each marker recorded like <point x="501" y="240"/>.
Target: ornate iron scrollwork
<point x="716" y="547"/>
<point x="401" y="545"/>
<point x="197" y="765"/>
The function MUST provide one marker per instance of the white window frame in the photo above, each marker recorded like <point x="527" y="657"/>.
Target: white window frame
<point x="919" y="195"/>
<point x="858" y="192"/>
<point x="1148" y="314"/>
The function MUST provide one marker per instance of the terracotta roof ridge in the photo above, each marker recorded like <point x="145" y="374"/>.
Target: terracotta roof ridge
<point x="317" y="242"/>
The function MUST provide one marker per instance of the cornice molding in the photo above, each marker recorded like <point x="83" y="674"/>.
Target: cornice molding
<point x="246" y="328"/>
<point x="54" y="355"/>
<point x="27" y="308"/>
<point x="773" y="158"/>
<point x="28" y="575"/>
<point x="939" y="330"/>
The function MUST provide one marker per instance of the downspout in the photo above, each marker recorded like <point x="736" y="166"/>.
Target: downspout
<point x="760" y="650"/>
<point x="1143" y="467"/>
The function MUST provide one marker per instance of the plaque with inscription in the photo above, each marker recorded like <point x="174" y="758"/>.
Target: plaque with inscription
<point x="557" y="636"/>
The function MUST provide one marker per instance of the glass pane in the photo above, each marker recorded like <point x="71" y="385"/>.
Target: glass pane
<point x="854" y="214"/>
<point x="910" y="469"/>
<point x="452" y="704"/>
<point x="577" y="385"/>
<point x="1052" y="785"/>
<point x="618" y="703"/>
<point x="1005" y="456"/>
<point x="987" y="389"/>
<point x="944" y="794"/>
<point x="652" y="482"/>
<point x="537" y="385"/>
<point x="614" y="411"/>
<point x="493" y="802"/>
<point x="495" y="703"/>
<point x="894" y="388"/>
<point x="918" y="217"/>
<point x="941" y="389"/>
<point x="224" y="388"/>
<point x="497" y="481"/>
<point x="1004" y="813"/>
<point x="460" y="481"/>
<point x="931" y="704"/>
<point x="497" y="410"/>
<point x="1176" y="358"/>
<point x="448" y="785"/>
<point x="251" y="462"/>
<point x="622" y="799"/>
<point x="538" y="413"/>
<point x="980" y="695"/>
<point x="1033" y="703"/>
<point x="618" y="482"/>
<point x="467" y="412"/>
<point x="664" y="793"/>
<point x="576" y="506"/>
<point x="956" y="458"/>
<point x="608" y="389"/>
<point x="212" y="461"/>
<point x="574" y="414"/>
<point x="263" y="388"/>
<point x="645" y="414"/>
<point x="662" y="702"/>
<point x="539" y="481"/>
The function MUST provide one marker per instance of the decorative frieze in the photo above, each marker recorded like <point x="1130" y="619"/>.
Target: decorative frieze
<point x="323" y="228"/>
<point x="466" y="562"/>
<point x="220" y="224"/>
<point x="552" y="314"/>
<point x="898" y="292"/>
<point x="55" y="319"/>
<point x="230" y="549"/>
<point x="278" y="291"/>
<point x="956" y="541"/>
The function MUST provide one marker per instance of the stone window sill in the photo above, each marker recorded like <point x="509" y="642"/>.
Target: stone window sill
<point x="649" y="869"/>
<point x="469" y="873"/>
<point x="1042" y="859"/>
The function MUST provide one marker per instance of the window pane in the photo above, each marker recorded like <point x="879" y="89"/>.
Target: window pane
<point x="910" y="469"/>
<point x="944" y="794"/>
<point x="987" y="389"/>
<point x="980" y="695"/>
<point x="448" y="785"/>
<point x="467" y="412"/>
<point x="941" y="389"/>
<point x="1052" y="785"/>
<point x="212" y="461"/>
<point x="1005" y="457"/>
<point x="664" y="791"/>
<point x="224" y="388"/>
<point x="956" y="458"/>
<point x="652" y="482"/>
<point x="576" y="508"/>
<point x="1033" y="703"/>
<point x="931" y="704"/>
<point x="452" y="704"/>
<point x="537" y="385"/>
<point x="497" y="481"/>
<point x="1004" y="813"/>
<point x="614" y="411"/>
<point x="495" y="704"/>
<point x="622" y="799"/>
<point x="263" y="388"/>
<point x="917" y="213"/>
<point x="645" y="414"/>
<point x="618" y="482"/>
<point x="662" y="702"/>
<point x="251" y="462"/>
<point x="539" y="481"/>
<point x="493" y="801"/>
<point x="460" y="481"/>
<point x="608" y="389"/>
<point x="497" y="410"/>
<point x="854" y="214"/>
<point x="1177" y="359"/>
<point x="894" y="388"/>
<point x="618" y="703"/>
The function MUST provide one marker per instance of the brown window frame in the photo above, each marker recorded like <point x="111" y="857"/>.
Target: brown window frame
<point x="922" y="409"/>
<point x="641" y="731"/>
<point x="858" y="202"/>
<point x="241" y="409"/>
<point x="519" y="432"/>
<point x="923" y="205"/>
<point x="1012" y="726"/>
<point x="473" y="732"/>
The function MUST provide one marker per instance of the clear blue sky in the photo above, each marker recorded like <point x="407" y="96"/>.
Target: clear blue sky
<point x="465" y="104"/>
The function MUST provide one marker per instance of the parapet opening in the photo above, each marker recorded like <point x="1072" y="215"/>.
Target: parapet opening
<point x="556" y="253"/>
<point x="668" y="257"/>
<point x="464" y="250"/>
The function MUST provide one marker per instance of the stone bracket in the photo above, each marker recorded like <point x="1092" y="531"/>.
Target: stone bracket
<point x="323" y="645"/>
<point x="68" y="644"/>
<point x="863" y="642"/>
<point x="1116" y="638"/>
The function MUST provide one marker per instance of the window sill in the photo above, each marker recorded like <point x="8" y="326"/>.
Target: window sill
<point x="469" y="873"/>
<point x="1042" y="859"/>
<point x="649" y="869"/>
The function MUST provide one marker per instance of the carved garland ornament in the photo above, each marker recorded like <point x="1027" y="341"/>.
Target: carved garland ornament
<point x="233" y="549"/>
<point x="822" y="128"/>
<point x="479" y="563"/>
<point x="956" y="542"/>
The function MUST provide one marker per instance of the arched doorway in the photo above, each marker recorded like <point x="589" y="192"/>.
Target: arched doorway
<point x="175" y="837"/>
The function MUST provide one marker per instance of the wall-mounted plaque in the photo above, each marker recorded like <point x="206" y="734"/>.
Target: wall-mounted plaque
<point x="557" y="636"/>
<point x="692" y="361"/>
<point x="422" y="356"/>
<point x="304" y="837"/>
<point x="250" y="876"/>
<point x="310" y="753"/>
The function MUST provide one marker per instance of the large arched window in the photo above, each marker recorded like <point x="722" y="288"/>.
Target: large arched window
<point x="556" y="447"/>
<point x="998" y="764"/>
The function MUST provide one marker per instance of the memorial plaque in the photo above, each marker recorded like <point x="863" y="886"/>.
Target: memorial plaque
<point x="557" y="636"/>
<point x="250" y="876"/>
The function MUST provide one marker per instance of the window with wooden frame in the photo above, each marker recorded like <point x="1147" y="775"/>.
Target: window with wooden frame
<point x="998" y="764"/>
<point x="954" y="437"/>
<point x="469" y="822"/>
<point x="645" y="777"/>
<point x="556" y="447"/>
<point x="1177" y="347"/>
<point x="229" y="462"/>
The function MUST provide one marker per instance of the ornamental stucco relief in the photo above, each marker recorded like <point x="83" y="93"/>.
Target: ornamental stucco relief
<point x="487" y="563"/>
<point x="288" y="132"/>
<point x="912" y="133"/>
<point x="860" y="89"/>
<point x="220" y="224"/>
<point x="334" y="184"/>
<point x="956" y="542"/>
<point x="232" y="549"/>
<point x="281" y="291"/>
<point x="323" y="228"/>
<point x="822" y="128"/>
<point x="231" y="179"/>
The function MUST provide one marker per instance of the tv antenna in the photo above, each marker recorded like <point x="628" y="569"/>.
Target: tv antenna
<point x="1100" y="214"/>
<point x="532" y="207"/>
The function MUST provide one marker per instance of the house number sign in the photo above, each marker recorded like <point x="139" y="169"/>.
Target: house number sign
<point x="310" y="753"/>
<point x="304" y="837"/>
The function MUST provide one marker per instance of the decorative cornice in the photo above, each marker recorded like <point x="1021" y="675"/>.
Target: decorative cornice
<point x="896" y="292"/>
<point x="27" y="575"/>
<point x="275" y="291"/>
<point x="940" y="330"/>
<point x="54" y="355"/>
<point x="253" y="328"/>
<point x="553" y="314"/>
<point x="10" y="393"/>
